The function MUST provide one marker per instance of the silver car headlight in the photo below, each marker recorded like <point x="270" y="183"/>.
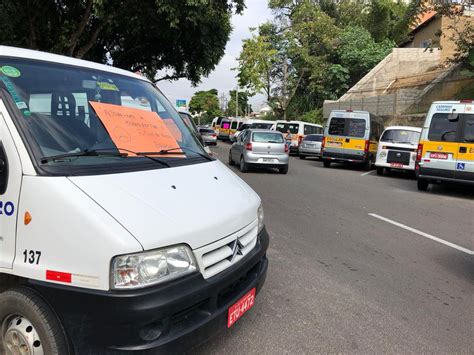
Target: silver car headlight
<point x="151" y="267"/>
<point x="260" y="218"/>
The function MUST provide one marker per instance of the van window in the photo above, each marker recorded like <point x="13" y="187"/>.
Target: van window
<point x="244" y="127"/>
<point x="336" y="126"/>
<point x="356" y="127"/>
<point x="284" y="127"/>
<point x="225" y="124"/>
<point x="233" y="125"/>
<point x="442" y="129"/>
<point x="262" y="125"/>
<point x="54" y="110"/>
<point x="267" y="137"/>
<point x="401" y="136"/>
<point x="469" y="128"/>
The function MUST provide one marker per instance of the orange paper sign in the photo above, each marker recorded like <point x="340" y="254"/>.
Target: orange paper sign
<point x="134" y="129"/>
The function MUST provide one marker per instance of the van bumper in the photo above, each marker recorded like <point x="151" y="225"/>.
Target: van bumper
<point x="168" y="318"/>
<point x="343" y="158"/>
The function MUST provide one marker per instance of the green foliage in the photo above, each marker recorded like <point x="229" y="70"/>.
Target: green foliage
<point x="359" y="52"/>
<point x="313" y="116"/>
<point x="205" y="103"/>
<point x="186" y="38"/>
<point x="243" y="103"/>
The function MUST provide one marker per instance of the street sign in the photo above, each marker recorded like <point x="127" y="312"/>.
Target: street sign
<point x="180" y="103"/>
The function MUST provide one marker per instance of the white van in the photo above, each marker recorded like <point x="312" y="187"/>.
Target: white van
<point x="106" y="243"/>
<point x="298" y="130"/>
<point x="446" y="148"/>
<point x="397" y="149"/>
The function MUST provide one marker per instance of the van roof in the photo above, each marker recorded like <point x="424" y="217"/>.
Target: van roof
<point x="310" y="123"/>
<point x="351" y="111"/>
<point x="7" y="51"/>
<point x="408" y="128"/>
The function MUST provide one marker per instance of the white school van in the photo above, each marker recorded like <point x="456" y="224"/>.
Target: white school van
<point x="397" y="149"/>
<point x="106" y="244"/>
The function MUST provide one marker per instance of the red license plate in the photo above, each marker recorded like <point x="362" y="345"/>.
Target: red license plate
<point x="396" y="165"/>
<point x="237" y="310"/>
<point x="438" y="156"/>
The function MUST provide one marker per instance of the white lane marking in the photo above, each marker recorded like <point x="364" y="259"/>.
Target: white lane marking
<point x="367" y="173"/>
<point x="423" y="234"/>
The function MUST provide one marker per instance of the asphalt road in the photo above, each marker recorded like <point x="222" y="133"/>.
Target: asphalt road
<point x="342" y="280"/>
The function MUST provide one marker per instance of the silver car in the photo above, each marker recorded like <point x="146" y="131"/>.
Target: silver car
<point x="260" y="148"/>
<point x="208" y="136"/>
<point x="310" y="146"/>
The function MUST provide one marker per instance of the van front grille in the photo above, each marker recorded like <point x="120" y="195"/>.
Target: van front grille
<point x="216" y="257"/>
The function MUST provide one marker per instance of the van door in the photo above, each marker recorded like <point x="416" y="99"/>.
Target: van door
<point x="465" y="159"/>
<point x="441" y="148"/>
<point x="10" y="182"/>
<point x="356" y="134"/>
<point x="334" y="145"/>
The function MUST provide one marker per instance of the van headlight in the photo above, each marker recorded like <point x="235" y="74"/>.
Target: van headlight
<point x="260" y="218"/>
<point x="151" y="267"/>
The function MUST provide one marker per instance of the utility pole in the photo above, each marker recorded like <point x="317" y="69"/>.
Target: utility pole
<point x="237" y="102"/>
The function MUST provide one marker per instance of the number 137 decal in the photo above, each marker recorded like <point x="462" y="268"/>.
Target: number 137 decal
<point x="31" y="256"/>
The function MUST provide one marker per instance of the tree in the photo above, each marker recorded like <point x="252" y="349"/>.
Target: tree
<point x="205" y="103"/>
<point x="243" y="103"/>
<point x="257" y="61"/>
<point x="186" y="38"/>
<point x="359" y="52"/>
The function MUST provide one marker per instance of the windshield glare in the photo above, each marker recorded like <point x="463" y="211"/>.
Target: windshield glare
<point x="401" y="136"/>
<point x="56" y="115"/>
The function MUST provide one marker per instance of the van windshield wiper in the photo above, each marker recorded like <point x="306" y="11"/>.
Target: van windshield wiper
<point x="174" y="151"/>
<point x="85" y="153"/>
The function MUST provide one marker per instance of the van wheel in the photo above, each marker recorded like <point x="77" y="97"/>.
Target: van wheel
<point x="302" y="156"/>
<point x="368" y="164"/>
<point x="326" y="163"/>
<point x="379" y="170"/>
<point x="231" y="162"/>
<point x="28" y="325"/>
<point x="243" y="165"/>
<point x="283" y="170"/>
<point x="422" y="184"/>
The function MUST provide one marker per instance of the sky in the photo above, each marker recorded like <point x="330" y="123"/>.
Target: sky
<point x="223" y="78"/>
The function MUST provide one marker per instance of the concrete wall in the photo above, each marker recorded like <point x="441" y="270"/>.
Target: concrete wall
<point x="401" y="63"/>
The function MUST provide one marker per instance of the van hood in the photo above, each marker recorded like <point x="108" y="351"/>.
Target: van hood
<point x="195" y="204"/>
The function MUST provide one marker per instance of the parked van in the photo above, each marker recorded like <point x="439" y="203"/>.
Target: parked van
<point x="216" y="123"/>
<point x="397" y="149"/>
<point x="298" y="130"/>
<point x="446" y="148"/>
<point x="351" y="137"/>
<point x="107" y="244"/>
<point x="224" y="129"/>
<point x="235" y="124"/>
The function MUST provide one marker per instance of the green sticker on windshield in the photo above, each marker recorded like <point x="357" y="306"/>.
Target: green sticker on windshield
<point x="10" y="71"/>
<point x="107" y="86"/>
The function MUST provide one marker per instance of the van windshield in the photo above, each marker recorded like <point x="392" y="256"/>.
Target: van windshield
<point x="261" y="125"/>
<point x="285" y="127"/>
<point x="64" y="110"/>
<point x="401" y="136"/>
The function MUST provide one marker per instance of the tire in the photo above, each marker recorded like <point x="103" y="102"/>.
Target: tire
<point x="379" y="170"/>
<point x="302" y="156"/>
<point x="283" y="170"/>
<point x="367" y="165"/>
<point x="326" y="163"/>
<point x="243" y="165"/>
<point x="422" y="184"/>
<point x="231" y="162"/>
<point x="24" y="312"/>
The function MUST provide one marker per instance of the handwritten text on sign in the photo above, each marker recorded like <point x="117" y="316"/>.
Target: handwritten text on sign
<point x="134" y="129"/>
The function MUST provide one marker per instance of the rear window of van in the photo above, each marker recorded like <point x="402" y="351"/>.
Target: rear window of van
<point x="351" y="127"/>
<point x="442" y="129"/>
